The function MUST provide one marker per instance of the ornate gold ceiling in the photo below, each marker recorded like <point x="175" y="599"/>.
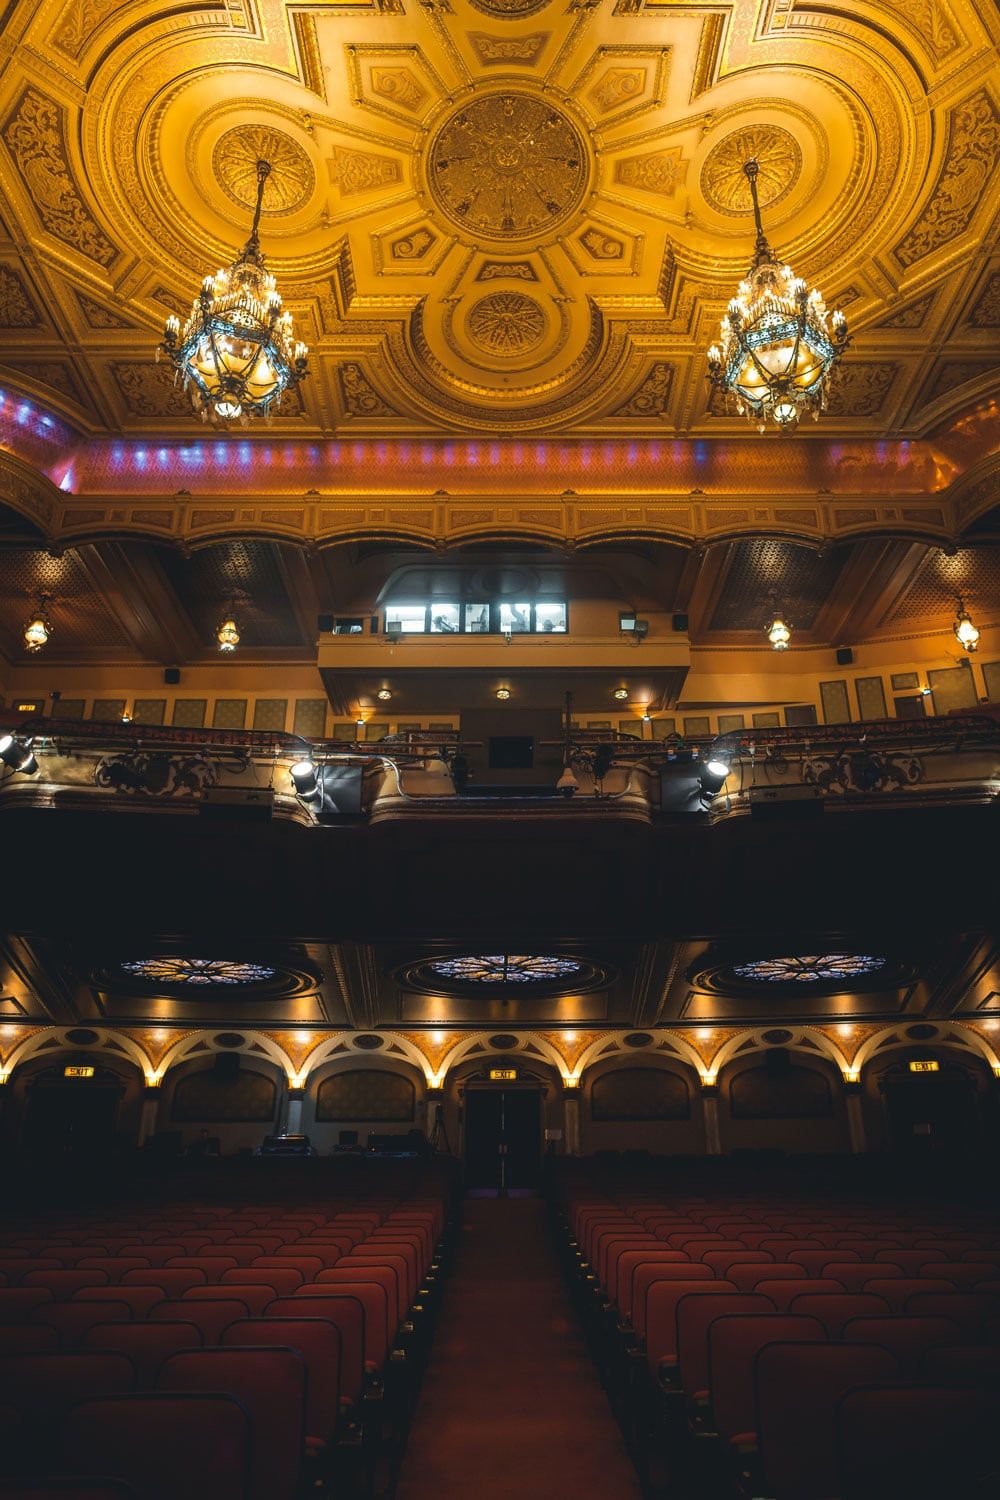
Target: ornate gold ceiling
<point x="500" y="215"/>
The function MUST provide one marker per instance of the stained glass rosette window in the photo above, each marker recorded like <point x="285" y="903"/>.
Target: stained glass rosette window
<point x="810" y="968"/>
<point x="506" y="968"/>
<point x="197" y="971"/>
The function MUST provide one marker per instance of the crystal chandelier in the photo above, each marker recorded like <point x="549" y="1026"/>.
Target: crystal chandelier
<point x="779" y="346"/>
<point x="236" y="354"/>
<point x="37" y="628"/>
<point x="965" y="630"/>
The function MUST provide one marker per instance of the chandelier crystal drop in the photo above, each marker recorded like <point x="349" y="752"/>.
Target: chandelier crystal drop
<point x="779" y="346"/>
<point x="965" y="630"/>
<point x="236" y="354"/>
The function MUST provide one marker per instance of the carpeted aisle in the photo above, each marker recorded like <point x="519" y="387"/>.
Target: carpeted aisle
<point x="511" y="1405"/>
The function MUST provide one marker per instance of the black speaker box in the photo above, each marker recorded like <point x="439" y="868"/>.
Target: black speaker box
<point x="171" y="676"/>
<point x="845" y="656"/>
<point x="324" y="624"/>
<point x="227" y="1065"/>
<point x="680" y="624"/>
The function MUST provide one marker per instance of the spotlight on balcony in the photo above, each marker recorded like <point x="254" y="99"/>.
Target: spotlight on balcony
<point x="567" y="783"/>
<point x="17" y="755"/>
<point x="305" y="781"/>
<point x="713" y="776"/>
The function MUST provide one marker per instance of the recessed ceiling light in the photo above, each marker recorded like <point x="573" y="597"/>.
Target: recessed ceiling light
<point x="384" y="694"/>
<point x="503" y="693"/>
<point x="621" y="694"/>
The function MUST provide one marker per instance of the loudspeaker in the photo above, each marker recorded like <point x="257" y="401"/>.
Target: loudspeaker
<point x="845" y="656"/>
<point x="171" y="676"/>
<point x="680" y="624"/>
<point x="324" y="624"/>
<point x="227" y="1065"/>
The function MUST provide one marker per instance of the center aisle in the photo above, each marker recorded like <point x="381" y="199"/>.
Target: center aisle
<point x="511" y="1404"/>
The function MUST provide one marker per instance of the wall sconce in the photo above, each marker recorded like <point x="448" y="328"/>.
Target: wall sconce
<point x="851" y="1075"/>
<point x="435" y="1080"/>
<point x="296" y="1080"/>
<point x="153" y="1080"/>
<point x="571" y="1081"/>
<point x="709" y="1079"/>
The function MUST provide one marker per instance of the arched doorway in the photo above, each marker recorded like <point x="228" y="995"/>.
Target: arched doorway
<point x="932" y="1107"/>
<point x="503" y="1127"/>
<point x="72" y="1111"/>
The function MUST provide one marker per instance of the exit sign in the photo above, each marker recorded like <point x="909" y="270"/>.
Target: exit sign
<point x="928" y="1065"/>
<point x="503" y="1075"/>
<point x="78" y="1072"/>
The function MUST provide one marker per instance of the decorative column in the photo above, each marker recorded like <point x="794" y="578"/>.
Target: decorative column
<point x="710" y="1108"/>
<point x="855" y="1116"/>
<point x="293" y="1124"/>
<point x="571" y="1118"/>
<point x="150" y="1107"/>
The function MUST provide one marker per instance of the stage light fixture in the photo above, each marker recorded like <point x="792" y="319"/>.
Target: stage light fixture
<point x="567" y="783"/>
<point x="305" y="780"/>
<point x="17" y="755"/>
<point x="713" y="776"/>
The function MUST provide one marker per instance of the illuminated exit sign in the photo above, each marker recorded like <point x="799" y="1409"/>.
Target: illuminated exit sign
<point x="78" y="1072"/>
<point x="503" y="1075"/>
<point x="927" y="1066"/>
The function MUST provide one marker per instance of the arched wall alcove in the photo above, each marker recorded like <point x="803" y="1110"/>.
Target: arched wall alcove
<point x="641" y="1102"/>
<point x="238" y="1105"/>
<point x="371" y="1094"/>
<point x="782" y="1099"/>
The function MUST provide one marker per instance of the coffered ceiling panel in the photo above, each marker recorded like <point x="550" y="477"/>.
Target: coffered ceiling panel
<point x="797" y="579"/>
<point x="246" y="573"/>
<point x="500" y="214"/>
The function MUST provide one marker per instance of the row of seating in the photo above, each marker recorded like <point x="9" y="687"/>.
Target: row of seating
<point x="758" y="1344"/>
<point x="224" y="1352"/>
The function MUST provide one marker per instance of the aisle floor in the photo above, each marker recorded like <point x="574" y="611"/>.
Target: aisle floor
<point x="511" y="1405"/>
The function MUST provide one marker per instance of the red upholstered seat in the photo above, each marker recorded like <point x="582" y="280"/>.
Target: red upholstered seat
<point x="661" y="1316"/>
<point x="748" y="1276"/>
<point x="696" y="1312"/>
<point x="270" y="1384"/>
<point x="65" y="1284"/>
<point x="211" y="1316"/>
<point x="918" y="1443"/>
<point x="115" y="1266"/>
<point x="41" y="1388"/>
<point x="318" y="1342"/>
<point x="648" y="1274"/>
<point x="970" y="1310"/>
<point x="147" y="1345"/>
<point x="797" y="1389"/>
<point x="907" y="1338"/>
<point x="168" y="1446"/>
<point x="29" y="1338"/>
<point x="834" y="1309"/>
<point x="17" y="1303"/>
<point x="371" y="1291"/>
<point x="346" y="1314"/>
<point x="211" y="1266"/>
<point x="71" y="1320"/>
<point x="783" y="1291"/>
<point x="139" y="1299"/>
<point x="172" y="1280"/>
<point x="733" y="1344"/>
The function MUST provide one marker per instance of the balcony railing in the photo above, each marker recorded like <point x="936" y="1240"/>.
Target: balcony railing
<point x="423" y="775"/>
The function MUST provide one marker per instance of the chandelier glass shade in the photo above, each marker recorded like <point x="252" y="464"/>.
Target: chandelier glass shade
<point x="779" y="633"/>
<point x="36" y="630"/>
<point x="779" y="346"/>
<point x="236" y="354"/>
<point x="966" y="632"/>
<point x="227" y="633"/>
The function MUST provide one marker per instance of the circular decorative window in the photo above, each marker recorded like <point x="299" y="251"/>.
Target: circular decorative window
<point x="638" y="1039"/>
<point x="505" y="968"/>
<point x="809" y="968"/>
<point x="81" y="1036"/>
<point x="503" y="1041"/>
<point x="369" y="1042"/>
<point x="189" y="974"/>
<point x="506" y="973"/>
<point x="777" y="1037"/>
<point x="822" y="971"/>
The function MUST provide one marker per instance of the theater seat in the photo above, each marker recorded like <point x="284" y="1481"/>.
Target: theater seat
<point x="907" y="1338"/>
<point x="733" y="1344"/>
<point x="834" y="1309"/>
<point x="797" y="1389"/>
<point x="41" y="1388"/>
<point x="975" y="1365"/>
<point x="168" y="1447"/>
<point x="921" y="1444"/>
<point x="318" y="1342"/>
<point x="147" y="1345"/>
<point x="212" y="1317"/>
<point x="695" y="1315"/>
<point x="270" y="1385"/>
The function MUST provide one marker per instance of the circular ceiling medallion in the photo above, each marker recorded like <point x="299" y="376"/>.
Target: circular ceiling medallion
<point x="821" y="972"/>
<point x="506" y="968"/>
<point x="82" y="1036"/>
<point x="369" y="1042"/>
<point x="189" y="975"/>
<point x="507" y="166"/>
<point x="777" y="1037"/>
<point x="503" y="1042"/>
<point x="234" y="162"/>
<point x="229" y="1039"/>
<point x="723" y="180"/>
<point x="509" y="10"/>
<point x="505" y="324"/>
<point x="638" y="1039"/>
